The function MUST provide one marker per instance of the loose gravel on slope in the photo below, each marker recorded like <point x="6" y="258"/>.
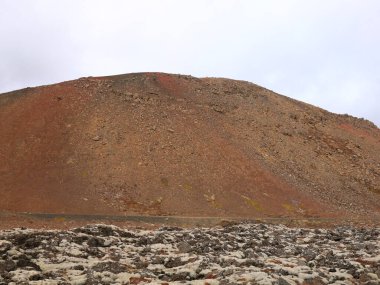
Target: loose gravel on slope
<point x="235" y="254"/>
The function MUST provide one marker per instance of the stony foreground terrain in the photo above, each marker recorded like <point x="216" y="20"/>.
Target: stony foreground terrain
<point x="234" y="254"/>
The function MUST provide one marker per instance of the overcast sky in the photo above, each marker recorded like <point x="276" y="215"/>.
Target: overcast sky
<point x="324" y="52"/>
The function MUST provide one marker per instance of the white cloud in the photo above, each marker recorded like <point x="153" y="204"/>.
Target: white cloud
<point x="323" y="52"/>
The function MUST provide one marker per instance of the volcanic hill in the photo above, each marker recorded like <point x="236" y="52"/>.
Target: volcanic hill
<point x="163" y="144"/>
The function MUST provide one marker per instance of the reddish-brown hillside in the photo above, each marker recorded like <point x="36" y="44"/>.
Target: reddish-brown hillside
<point x="162" y="144"/>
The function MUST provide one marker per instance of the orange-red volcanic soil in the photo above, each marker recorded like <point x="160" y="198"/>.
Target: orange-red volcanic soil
<point x="162" y="144"/>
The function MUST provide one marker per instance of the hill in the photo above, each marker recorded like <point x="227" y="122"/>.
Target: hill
<point x="163" y="144"/>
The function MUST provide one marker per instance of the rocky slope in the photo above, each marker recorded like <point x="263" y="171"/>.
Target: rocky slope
<point x="234" y="254"/>
<point x="162" y="144"/>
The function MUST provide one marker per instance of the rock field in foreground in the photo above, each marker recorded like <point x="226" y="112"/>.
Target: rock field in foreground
<point x="234" y="254"/>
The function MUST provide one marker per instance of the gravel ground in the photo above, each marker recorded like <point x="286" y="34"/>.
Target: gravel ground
<point x="234" y="254"/>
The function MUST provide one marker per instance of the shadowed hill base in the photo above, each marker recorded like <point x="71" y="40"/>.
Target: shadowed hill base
<point x="162" y="144"/>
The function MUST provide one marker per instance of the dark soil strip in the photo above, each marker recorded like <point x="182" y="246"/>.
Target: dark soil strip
<point x="175" y="220"/>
